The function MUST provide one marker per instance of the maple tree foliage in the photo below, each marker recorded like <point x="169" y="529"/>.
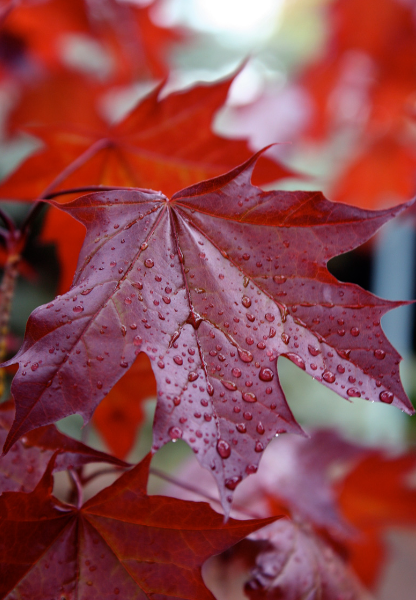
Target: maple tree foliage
<point x="191" y="297"/>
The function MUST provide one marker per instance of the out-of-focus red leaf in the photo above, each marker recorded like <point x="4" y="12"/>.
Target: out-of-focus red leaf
<point x="213" y="285"/>
<point x="300" y="564"/>
<point x="163" y="143"/>
<point x="137" y="46"/>
<point x="377" y="494"/>
<point x="120" y="414"/>
<point x="120" y="542"/>
<point x="22" y="468"/>
<point x="385" y="84"/>
<point x="384" y="174"/>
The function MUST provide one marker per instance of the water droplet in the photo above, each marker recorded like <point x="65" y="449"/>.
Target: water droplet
<point x="313" y="351"/>
<point x="175" y="433"/>
<point x="246" y="281"/>
<point x="341" y="369"/>
<point x="241" y="428"/>
<point x="232" y="482"/>
<point x="260" y="428"/>
<point x="251" y="469"/>
<point x="328" y="376"/>
<point x="386" y="397"/>
<point x="85" y="292"/>
<point x="279" y="279"/>
<point x="229" y="385"/>
<point x="127" y="300"/>
<point x="178" y="360"/>
<point x="99" y="385"/>
<point x="161" y="364"/>
<point x="354" y="331"/>
<point x="249" y="397"/>
<point x="149" y="263"/>
<point x="246" y="302"/>
<point x="353" y="393"/>
<point x="266" y="374"/>
<point x="248" y="416"/>
<point x="78" y="309"/>
<point x="138" y="341"/>
<point x="285" y="338"/>
<point x="192" y="376"/>
<point x="124" y="364"/>
<point x="249" y="341"/>
<point x="236" y="372"/>
<point x="245" y="355"/>
<point x="261" y="345"/>
<point x="259" y="447"/>
<point x="144" y="246"/>
<point x="269" y="317"/>
<point x="296" y="359"/>
<point x="223" y="449"/>
<point x="379" y="354"/>
<point x="210" y="389"/>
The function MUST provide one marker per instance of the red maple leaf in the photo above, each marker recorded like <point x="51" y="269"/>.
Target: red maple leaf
<point x="121" y="541"/>
<point x="120" y="414"/>
<point x="141" y="151"/>
<point x="359" y="64"/>
<point x="213" y="285"/>
<point x="22" y="468"/>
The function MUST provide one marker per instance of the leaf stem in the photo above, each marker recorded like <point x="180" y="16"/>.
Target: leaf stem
<point x="77" y="486"/>
<point x="191" y="488"/>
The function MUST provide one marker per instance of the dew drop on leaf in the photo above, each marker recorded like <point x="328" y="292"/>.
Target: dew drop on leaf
<point x="379" y="354"/>
<point x="78" y="309"/>
<point x="386" y="397"/>
<point x="149" y="263"/>
<point x="285" y="338"/>
<point x="249" y="397"/>
<point x="328" y="376"/>
<point x="178" y="360"/>
<point x="246" y="302"/>
<point x="236" y="372"/>
<point x="232" y="482"/>
<point x="175" y="433"/>
<point x="266" y="374"/>
<point x="245" y="355"/>
<point x="229" y="385"/>
<point x="223" y="449"/>
<point x="296" y="359"/>
<point x="353" y="393"/>
<point x="355" y="331"/>
<point x="241" y="428"/>
<point x="138" y="341"/>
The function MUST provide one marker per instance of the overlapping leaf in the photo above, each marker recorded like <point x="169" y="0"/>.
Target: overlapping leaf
<point x="213" y="285"/>
<point x="121" y="413"/>
<point x="121" y="543"/>
<point x="22" y="468"/>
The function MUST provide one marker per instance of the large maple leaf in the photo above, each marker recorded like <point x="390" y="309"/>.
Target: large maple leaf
<point x="163" y="143"/>
<point x="121" y="542"/>
<point x="213" y="285"/>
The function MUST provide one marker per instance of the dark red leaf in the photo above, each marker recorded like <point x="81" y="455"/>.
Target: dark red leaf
<point x="213" y="286"/>
<point x="299" y="564"/>
<point x="22" y="468"/>
<point x="121" y="543"/>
